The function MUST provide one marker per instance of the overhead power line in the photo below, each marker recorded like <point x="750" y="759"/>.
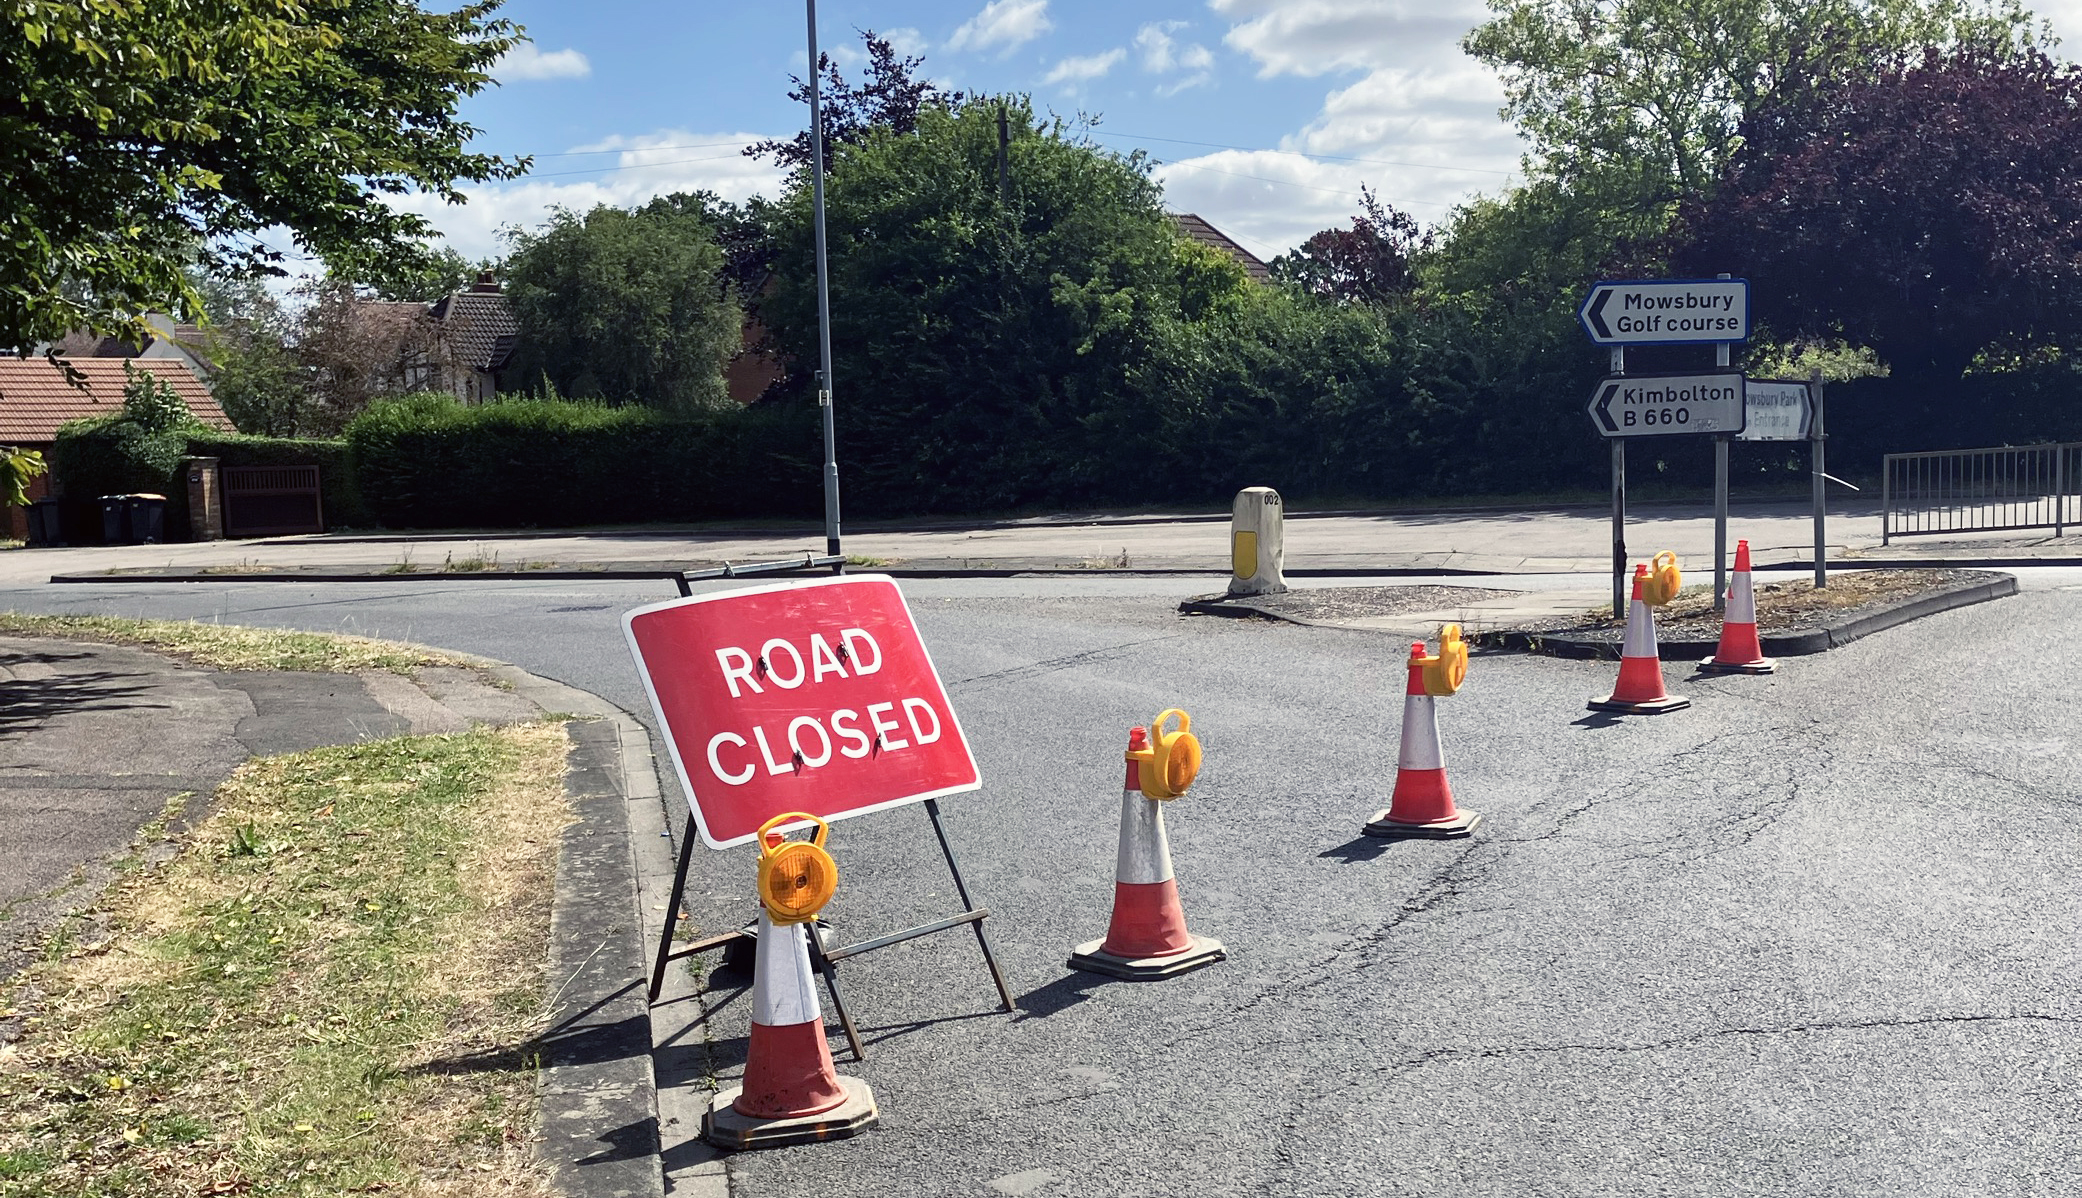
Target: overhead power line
<point x="1213" y="145"/>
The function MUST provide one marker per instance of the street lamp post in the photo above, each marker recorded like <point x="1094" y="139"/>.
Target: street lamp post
<point x="824" y="387"/>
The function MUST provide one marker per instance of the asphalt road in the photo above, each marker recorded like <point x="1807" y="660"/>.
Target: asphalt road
<point x="1814" y="936"/>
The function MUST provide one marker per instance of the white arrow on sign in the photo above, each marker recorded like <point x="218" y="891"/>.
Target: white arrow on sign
<point x="1667" y="312"/>
<point x="1660" y="405"/>
<point x="1777" y="410"/>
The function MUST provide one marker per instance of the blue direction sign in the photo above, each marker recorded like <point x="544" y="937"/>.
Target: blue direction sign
<point x="1662" y="405"/>
<point x="1667" y="312"/>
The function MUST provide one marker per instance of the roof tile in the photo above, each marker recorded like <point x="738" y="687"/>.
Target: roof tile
<point x="35" y="398"/>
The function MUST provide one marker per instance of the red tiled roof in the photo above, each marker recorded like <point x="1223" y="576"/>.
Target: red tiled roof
<point x="35" y="398"/>
<point x="1199" y="230"/>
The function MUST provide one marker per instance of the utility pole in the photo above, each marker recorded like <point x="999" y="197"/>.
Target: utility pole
<point x="824" y="382"/>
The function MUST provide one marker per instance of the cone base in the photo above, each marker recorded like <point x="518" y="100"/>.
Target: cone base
<point x="724" y="1127"/>
<point x="1643" y="707"/>
<point x="1091" y="957"/>
<point x="1462" y="824"/>
<point x="1763" y="665"/>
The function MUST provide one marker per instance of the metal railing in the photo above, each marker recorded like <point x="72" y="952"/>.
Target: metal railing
<point x="1978" y="490"/>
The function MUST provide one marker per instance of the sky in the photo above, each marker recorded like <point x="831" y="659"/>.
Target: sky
<point x="1266" y="115"/>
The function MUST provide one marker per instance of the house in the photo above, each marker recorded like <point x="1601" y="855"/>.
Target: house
<point x="181" y="343"/>
<point x="36" y="397"/>
<point x="1198" y="229"/>
<point x="476" y="332"/>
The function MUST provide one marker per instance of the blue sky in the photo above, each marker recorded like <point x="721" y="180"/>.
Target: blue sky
<point x="619" y="100"/>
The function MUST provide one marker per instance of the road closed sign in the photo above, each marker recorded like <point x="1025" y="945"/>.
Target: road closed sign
<point x="805" y="696"/>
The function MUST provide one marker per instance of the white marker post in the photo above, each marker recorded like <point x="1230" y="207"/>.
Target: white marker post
<point x="1258" y="557"/>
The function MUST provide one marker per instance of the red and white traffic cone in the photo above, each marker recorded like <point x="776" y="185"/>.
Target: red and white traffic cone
<point x="1640" y="690"/>
<point x="1147" y="937"/>
<point x="1421" y="806"/>
<point x="791" y="1093"/>
<point x="1740" y="652"/>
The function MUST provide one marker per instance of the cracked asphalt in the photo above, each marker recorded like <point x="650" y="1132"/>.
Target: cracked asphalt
<point x="1815" y="935"/>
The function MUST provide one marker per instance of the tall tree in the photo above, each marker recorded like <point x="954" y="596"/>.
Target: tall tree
<point x="1368" y="263"/>
<point x="988" y="340"/>
<point x="1654" y="91"/>
<point x="132" y="133"/>
<point x="624" y="306"/>
<point x="890" y="97"/>
<point x="1932" y="212"/>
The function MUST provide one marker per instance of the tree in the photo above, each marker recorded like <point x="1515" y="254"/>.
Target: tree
<point x="1366" y="264"/>
<point x="418" y="278"/>
<point x="890" y="97"/>
<point x="352" y="351"/>
<point x="1653" y="91"/>
<point x="1932" y="212"/>
<point x="255" y="375"/>
<point x="132" y="134"/>
<point x="625" y="306"/>
<point x="988" y="342"/>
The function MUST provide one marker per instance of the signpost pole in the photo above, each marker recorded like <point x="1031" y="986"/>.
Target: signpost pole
<point x="1619" y="504"/>
<point x="1821" y="480"/>
<point x="1720" y="501"/>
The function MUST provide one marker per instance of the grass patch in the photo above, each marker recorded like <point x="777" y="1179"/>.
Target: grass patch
<point x="333" y="988"/>
<point x="229" y="648"/>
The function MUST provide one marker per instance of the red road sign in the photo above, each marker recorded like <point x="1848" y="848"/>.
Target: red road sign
<point x="803" y="696"/>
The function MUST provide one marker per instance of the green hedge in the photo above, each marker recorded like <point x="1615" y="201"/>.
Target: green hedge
<point x="429" y="462"/>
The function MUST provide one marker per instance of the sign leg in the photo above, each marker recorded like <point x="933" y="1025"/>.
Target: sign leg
<point x="1619" y="528"/>
<point x="672" y="912"/>
<point x="932" y="808"/>
<point x="1720" y="524"/>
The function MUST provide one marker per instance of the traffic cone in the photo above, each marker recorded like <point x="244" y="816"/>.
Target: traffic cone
<point x="1421" y="806"/>
<point x="1147" y="937"/>
<point x="1739" y="651"/>
<point x="1640" y="690"/>
<point x="791" y="1093"/>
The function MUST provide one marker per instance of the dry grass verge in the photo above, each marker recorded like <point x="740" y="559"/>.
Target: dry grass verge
<point x="230" y="648"/>
<point x="332" y="988"/>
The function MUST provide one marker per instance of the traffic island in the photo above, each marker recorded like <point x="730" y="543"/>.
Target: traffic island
<point x="1793" y="617"/>
<point x="1338" y="606"/>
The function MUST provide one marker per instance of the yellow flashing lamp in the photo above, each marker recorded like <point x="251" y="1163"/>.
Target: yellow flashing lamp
<point x="1664" y="580"/>
<point x="1170" y="761"/>
<point x="796" y="877"/>
<point x="1443" y="674"/>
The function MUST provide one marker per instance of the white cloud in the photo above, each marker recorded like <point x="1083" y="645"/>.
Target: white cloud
<point x="632" y="171"/>
<point x="1003" y="23"/>
<point x="907" y="42"/>
<point x="1313" y="37"/>
<point x="526" y="61"/>
<point x="1080" y="70"/>
<point x="1162" y="54"/>
<point x="1420" y="113"/>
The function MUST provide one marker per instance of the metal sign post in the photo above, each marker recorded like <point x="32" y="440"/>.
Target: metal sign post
<point x="824" y="385"/>
<point x="1619" y="504"/>
<point x="1720" y="492"/>
<point x="1821" y="481"/>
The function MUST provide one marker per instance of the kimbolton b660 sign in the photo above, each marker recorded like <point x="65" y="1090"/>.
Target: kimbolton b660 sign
<point x="1656" y="405"/>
